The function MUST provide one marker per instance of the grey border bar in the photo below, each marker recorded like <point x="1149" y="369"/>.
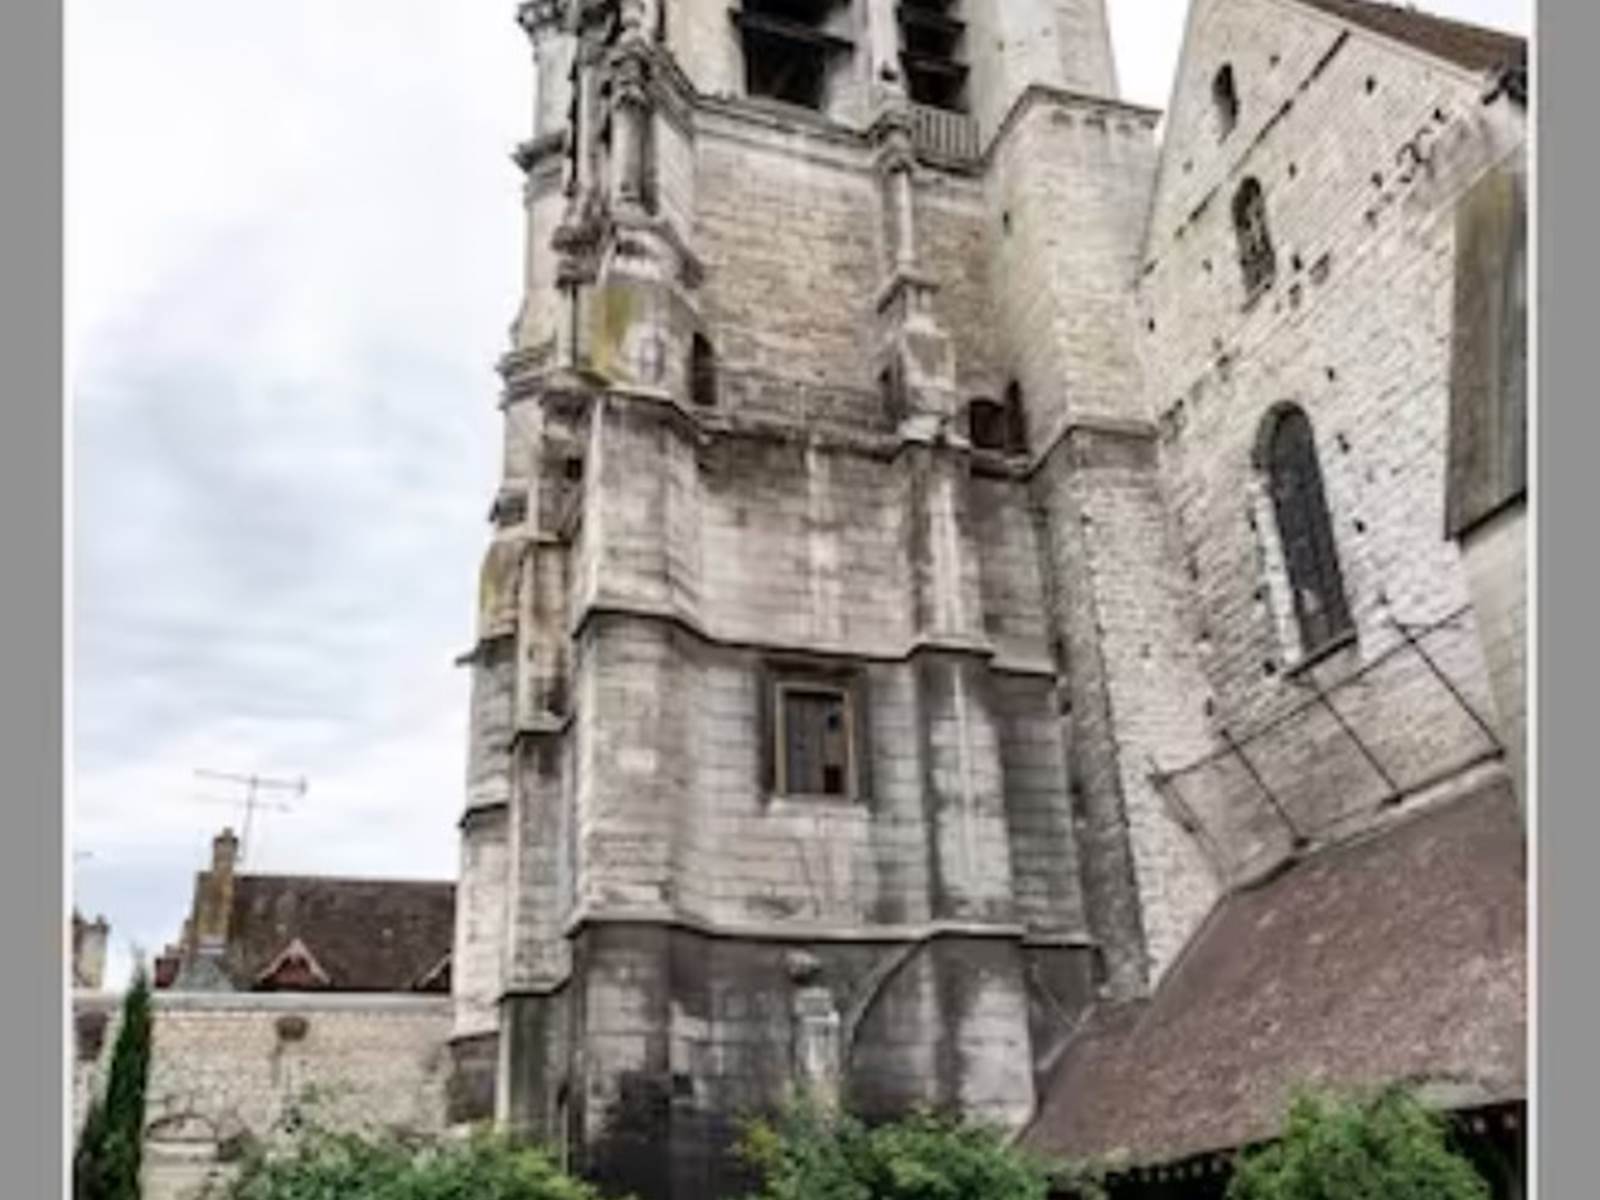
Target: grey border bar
<point x="31" y="918"/>
<point x="1567" y="427"/>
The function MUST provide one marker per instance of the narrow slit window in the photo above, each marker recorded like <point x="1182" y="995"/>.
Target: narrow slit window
<point x="892" y="392"/>
<point x="1225" y="98"/>
<point x="1016" y="422"/>
<point x="1258" y="261"/>
<point x="815" y="741"/>
<point x="702" y="372"/>
<point x="1300" y="507"/>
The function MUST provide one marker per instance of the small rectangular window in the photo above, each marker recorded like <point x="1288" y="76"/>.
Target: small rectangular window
<point x="815" y="748"/>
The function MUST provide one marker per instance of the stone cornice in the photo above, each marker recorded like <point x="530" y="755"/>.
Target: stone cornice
<point x="1091" y="425"/>
<point x="903" y="652"/>
<point x="793" y="931"/>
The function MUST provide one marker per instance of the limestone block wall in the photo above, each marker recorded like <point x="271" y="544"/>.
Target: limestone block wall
<point x="953" y="234"/>
<point x="789" y="233"/>
<point x="1059" y="43"/>
<point x="1136" y="693"/>
<point x="682" y="1032"/>
<point x="1068" y="188"/>
<point x="703" y="42"/>
<point x="482" y="894"/>
<point x="1360" y="149"/>
<point x="226" y="1064"/>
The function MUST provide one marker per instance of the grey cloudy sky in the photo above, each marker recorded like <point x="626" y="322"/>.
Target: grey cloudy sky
<point x="293" y="255"/>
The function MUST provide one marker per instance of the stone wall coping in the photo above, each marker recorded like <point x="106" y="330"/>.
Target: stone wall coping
<point x="274" y="1002"/>
<point x="1043" y="93"/>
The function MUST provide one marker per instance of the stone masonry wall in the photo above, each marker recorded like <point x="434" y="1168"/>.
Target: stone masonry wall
<point x="1068" y="185"/>
<point x="1058" y="43"/>
<point x="1355" y="329"/>
<point x="787" y="227"/>
<point x="224" y="1065"/>
<point x="1136" y="692"/>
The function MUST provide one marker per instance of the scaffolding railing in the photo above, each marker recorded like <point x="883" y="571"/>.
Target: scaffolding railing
<point x="1411" y="716"/>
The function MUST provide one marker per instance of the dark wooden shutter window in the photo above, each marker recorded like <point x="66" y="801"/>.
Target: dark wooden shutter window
<point x="816" y="741"/>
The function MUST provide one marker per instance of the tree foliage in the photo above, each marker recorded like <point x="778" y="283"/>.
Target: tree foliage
<point x="1386" y="1148"/>
<point x="106" y="1164"/>
<point x="811" y="1154"/>
<point x="319" y="1165"/>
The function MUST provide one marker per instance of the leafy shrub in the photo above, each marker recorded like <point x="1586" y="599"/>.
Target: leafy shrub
<point x="105" y="1165"/>
<point x="1386" y="1148"/>
<point x="811" y="1154"/>
<point x="328" y="1166"/>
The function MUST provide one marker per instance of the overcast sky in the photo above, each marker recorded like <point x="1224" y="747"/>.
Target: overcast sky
<point x="293" y="246"/>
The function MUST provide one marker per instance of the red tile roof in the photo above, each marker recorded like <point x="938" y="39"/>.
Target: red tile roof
<point x="1471" y="46"/>
<point x="1399" y="957"/>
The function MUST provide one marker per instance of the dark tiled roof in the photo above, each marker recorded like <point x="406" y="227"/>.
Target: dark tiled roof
<point x="1400" y="957"/>
<point x="368" y="935"/>
<point x="1469" y="46"/>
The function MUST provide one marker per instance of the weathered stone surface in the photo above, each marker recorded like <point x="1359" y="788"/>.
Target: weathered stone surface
<point x="1028" y="643"/>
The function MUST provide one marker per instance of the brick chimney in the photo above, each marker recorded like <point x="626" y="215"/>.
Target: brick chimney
<point x="89" y="951"/>
<point x="214" y="895"/>
<point x="206" y="931"/>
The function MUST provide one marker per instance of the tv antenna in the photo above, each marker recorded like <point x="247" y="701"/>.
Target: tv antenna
<point x="254" y="785"/>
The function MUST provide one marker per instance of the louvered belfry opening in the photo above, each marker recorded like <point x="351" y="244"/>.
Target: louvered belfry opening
<point x="1310" y="555"/>
<point x="932" y="53"/>
<point x="790" y="49"/>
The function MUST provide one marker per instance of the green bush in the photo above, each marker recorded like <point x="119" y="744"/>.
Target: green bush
<point x="1386" y="1148"/>
<point x="105" y="1165"/>
<point x="810" y="1154"/>
<point x="326" y="1166"/>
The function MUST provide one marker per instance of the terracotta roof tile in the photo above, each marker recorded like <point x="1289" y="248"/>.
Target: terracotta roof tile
<point x="1398" y="957"/>
<point x="1471" y="46"/>
<point x="368" y="935"/>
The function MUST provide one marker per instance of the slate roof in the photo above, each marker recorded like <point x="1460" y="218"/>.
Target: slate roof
<point x="1470" y="46"/>
<point x="1399" y="957"/>
<point x="368" y="935"/>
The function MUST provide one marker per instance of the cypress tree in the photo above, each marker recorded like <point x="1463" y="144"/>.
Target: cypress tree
<point x="106" y="1165"/>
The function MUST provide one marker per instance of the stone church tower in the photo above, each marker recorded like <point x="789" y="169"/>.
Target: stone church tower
<point x="828" y="547"/>
<point x="838" y="622"/>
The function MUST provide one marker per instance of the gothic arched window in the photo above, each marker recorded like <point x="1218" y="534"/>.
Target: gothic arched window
<point x="1257" y="259"/>
<point x="1226" y="99"/>
<point x="1287" y="454"/>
